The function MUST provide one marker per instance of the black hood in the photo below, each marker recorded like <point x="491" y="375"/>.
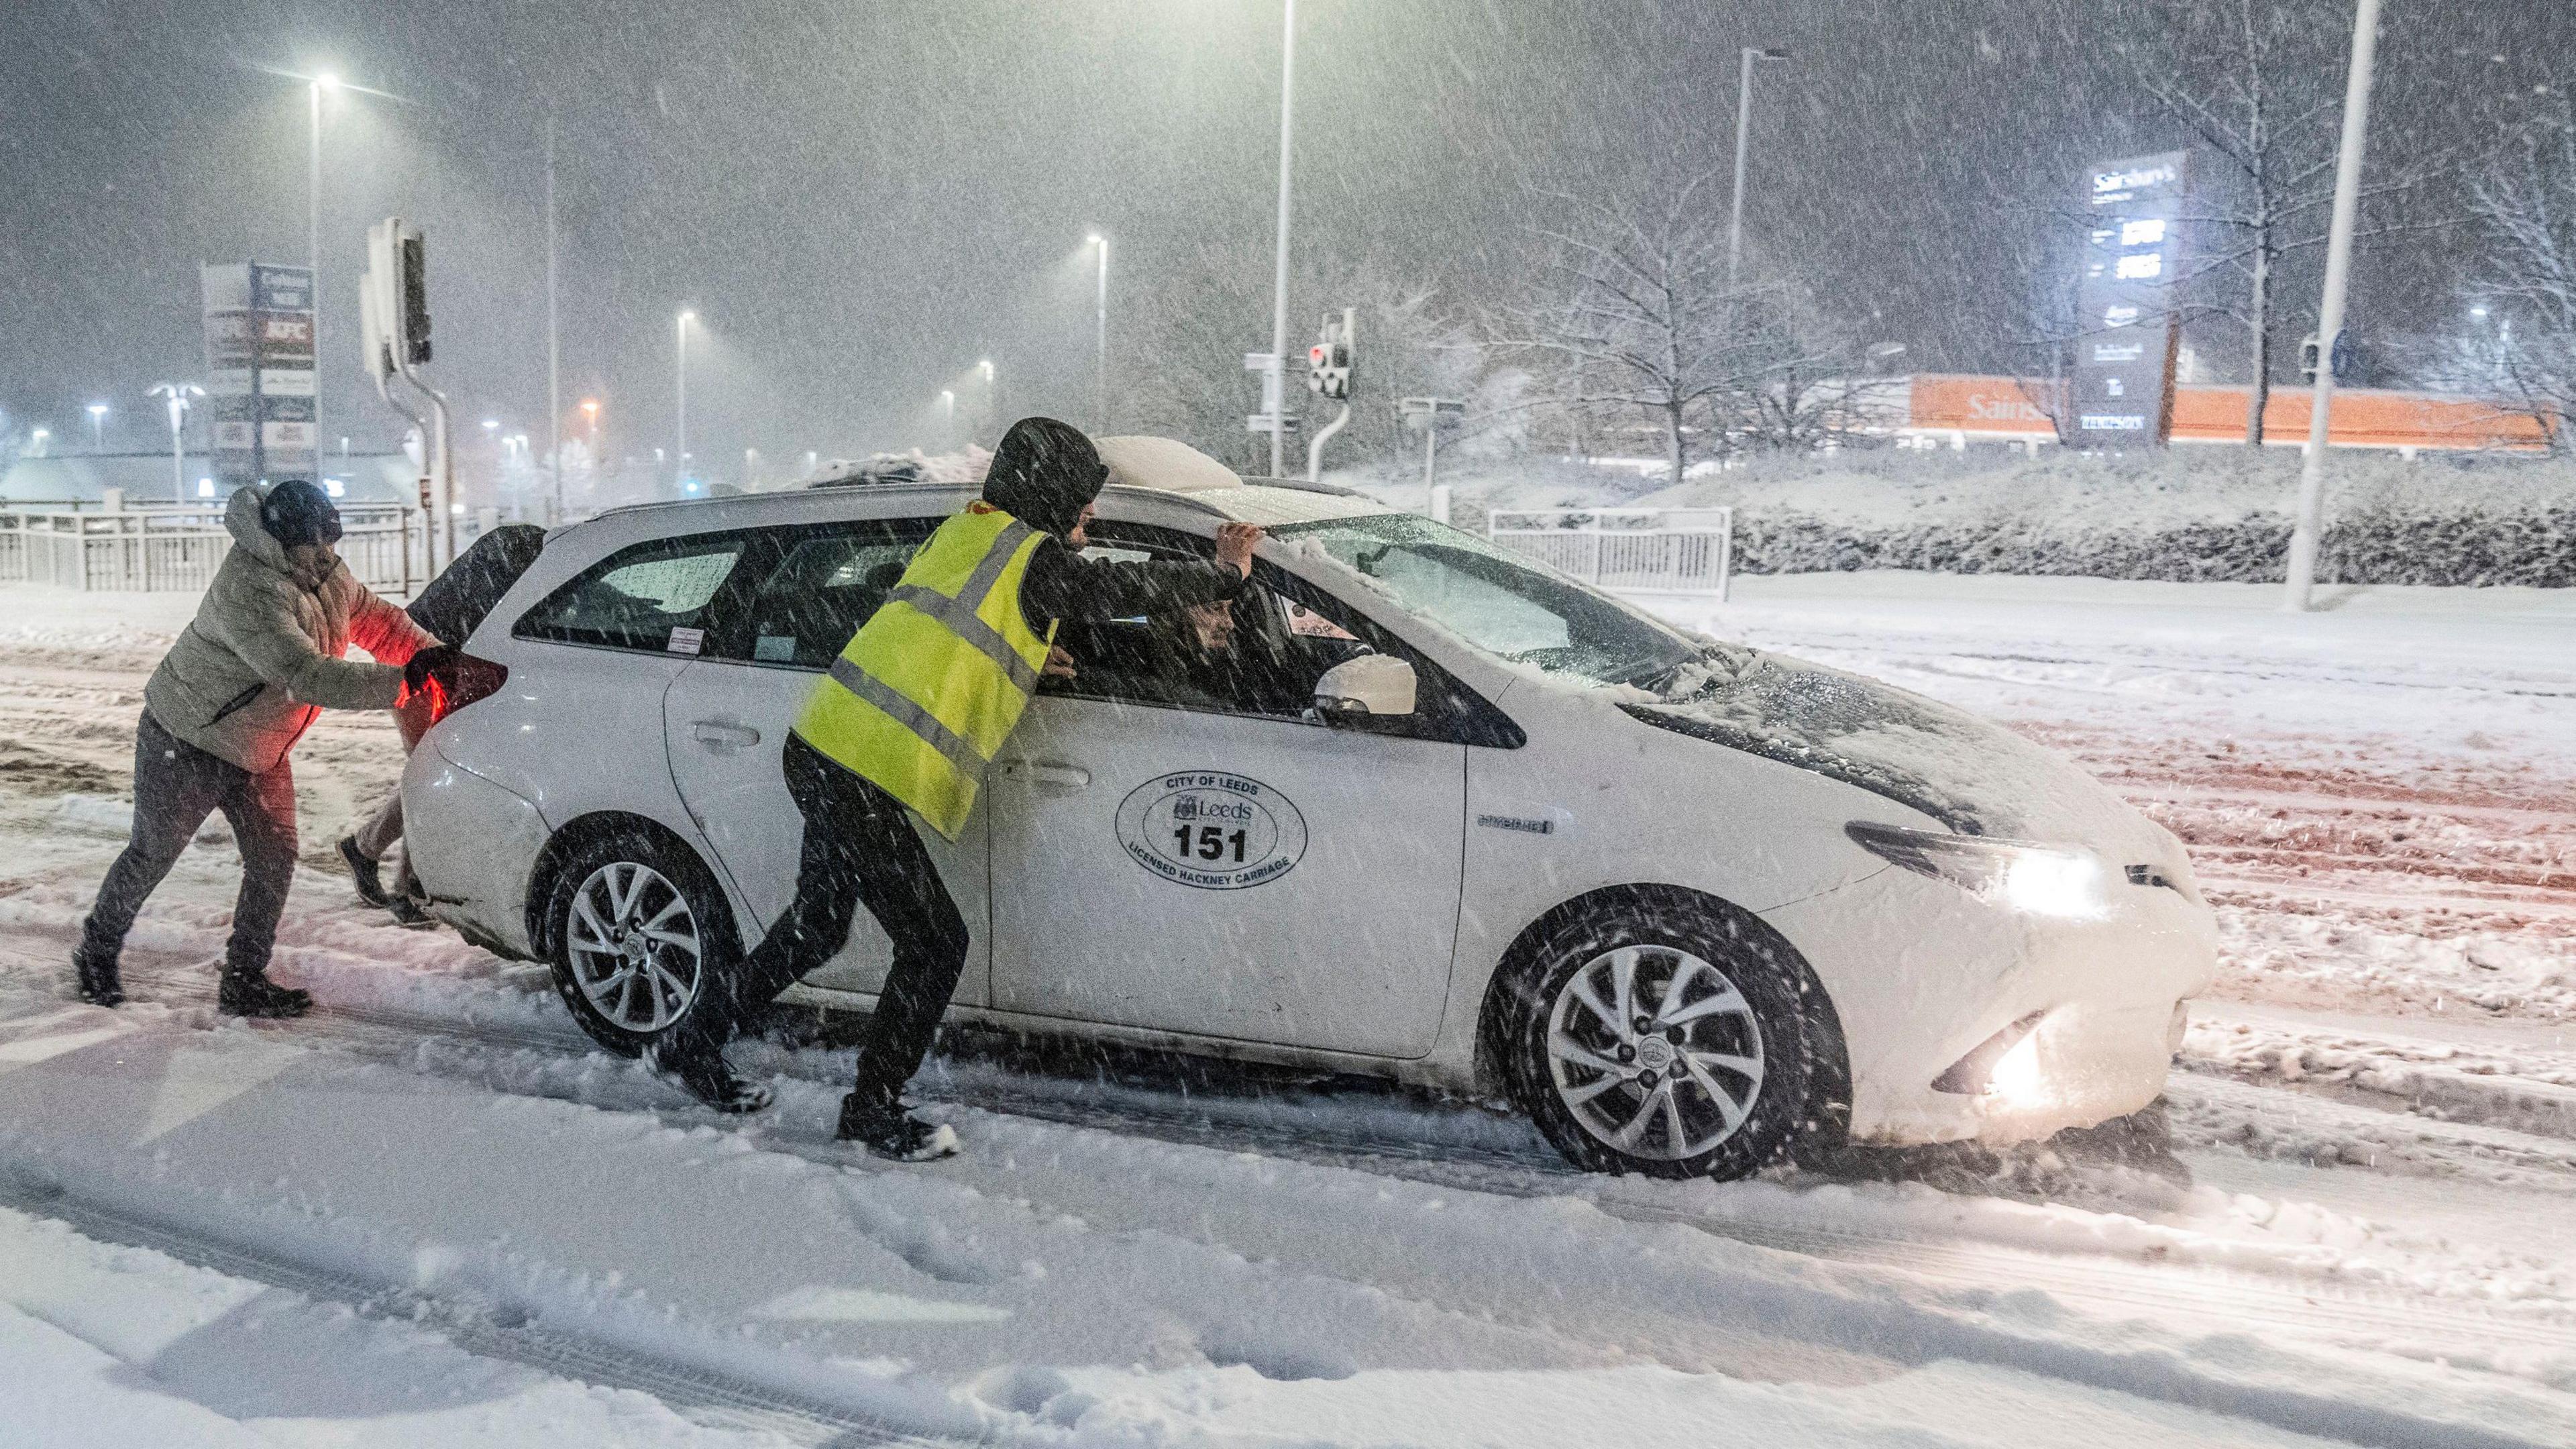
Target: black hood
<point x="1044" y="474"/>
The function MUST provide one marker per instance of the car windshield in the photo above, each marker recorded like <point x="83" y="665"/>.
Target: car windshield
<point x="1499" y="602"/>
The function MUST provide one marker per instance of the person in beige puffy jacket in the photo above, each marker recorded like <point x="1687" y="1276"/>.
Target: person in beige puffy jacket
<point x="222" y="713"/>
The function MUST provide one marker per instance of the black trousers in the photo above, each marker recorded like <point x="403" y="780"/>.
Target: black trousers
<point x="176" y="786"/>
<point x="859" y="847"/>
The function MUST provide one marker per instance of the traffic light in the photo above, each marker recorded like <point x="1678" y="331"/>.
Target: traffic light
<point x="1328" y="362"/>
<point x="414" y="266"/>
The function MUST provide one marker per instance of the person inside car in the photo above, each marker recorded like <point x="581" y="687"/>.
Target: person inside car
<point x="898" y="734"/>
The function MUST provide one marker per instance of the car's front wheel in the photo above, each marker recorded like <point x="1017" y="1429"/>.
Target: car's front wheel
<point x="1649" y="1037"/>
<point x="638" y="928"/>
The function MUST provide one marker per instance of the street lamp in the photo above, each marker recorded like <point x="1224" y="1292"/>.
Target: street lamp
<point x="323" y="82"/>
<point x="590" y="421"/>
<point x="1274" y="392"/>
<point x="97" y="425"/>
<point x="947" y="412"/>
<point x="680" y="388"/>
<point x="36" y="442"/>
<point x="179" y="395"/>
<point x="1743" y="120"/>
<point x="1100" y="316"/>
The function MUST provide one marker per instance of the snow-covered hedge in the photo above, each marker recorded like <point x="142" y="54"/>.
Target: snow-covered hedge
<point x="2191" y="513"/>
<point x="2369" y="547"/>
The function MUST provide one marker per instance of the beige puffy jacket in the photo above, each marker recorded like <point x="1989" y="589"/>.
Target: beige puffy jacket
<point x="262" y="656"/>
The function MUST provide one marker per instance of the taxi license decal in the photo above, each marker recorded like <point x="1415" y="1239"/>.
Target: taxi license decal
<point x="1212" y="830"/>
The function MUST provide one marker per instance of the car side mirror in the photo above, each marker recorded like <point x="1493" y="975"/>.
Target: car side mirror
<point x="1370" y="687"/>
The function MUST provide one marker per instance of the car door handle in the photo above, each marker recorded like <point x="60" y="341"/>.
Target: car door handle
<point x="723" y="733"/>
<point x="1049" y="779"/>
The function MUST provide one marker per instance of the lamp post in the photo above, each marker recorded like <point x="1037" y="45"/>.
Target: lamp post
<point x="325" y="81"/>
<point x="98" y="427"/>
<point x="36" y="441"/>
<point x="680" y="389"/>
<point x="948" y="417"/>
<point x="178" y="395"/>
<point x="2339" y="229"/>
<point x="992" y="404"/>
<point x="1743" y="122"/>
<point x="590" y="421"/>
<point x="1274" y="383"/>
<point x="1100" y="316"/>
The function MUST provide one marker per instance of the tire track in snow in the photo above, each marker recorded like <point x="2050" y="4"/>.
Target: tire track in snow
<point x="708" y="1398"/>
<point x="2111" y="1284"/>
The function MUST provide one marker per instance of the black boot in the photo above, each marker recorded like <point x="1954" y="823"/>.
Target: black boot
<point x="410" y="913"/>
<point x="371" y="887"/>
<point x="890" y="1132"/>
<point x="704" y="1072"/>
<point x="99" y="983"/>
<point x="251" y="993"/>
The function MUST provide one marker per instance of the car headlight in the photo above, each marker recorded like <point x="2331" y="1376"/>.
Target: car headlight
<point x="2039" y="880"/>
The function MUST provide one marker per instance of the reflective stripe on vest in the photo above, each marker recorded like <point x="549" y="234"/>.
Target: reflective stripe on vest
<point x="930" y="686"/>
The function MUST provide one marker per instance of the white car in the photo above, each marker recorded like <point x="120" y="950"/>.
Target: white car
<point x="1441" y="815"/>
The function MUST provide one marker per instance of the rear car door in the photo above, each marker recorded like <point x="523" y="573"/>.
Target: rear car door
<point x="726" y="718"/>
<point x="1190" y="854"/>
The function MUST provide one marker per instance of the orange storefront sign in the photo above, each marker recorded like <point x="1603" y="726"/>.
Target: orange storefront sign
<point x="2362" y="417"/>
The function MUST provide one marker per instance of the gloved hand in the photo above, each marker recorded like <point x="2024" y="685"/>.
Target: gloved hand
<point x="426" y="662"/>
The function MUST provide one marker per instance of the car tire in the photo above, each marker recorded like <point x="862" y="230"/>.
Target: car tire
<point x="1741" y="1025"/>
<point x="638" y="929"/>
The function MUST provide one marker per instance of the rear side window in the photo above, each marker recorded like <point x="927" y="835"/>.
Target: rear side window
<point x="825" y="586"/>
<point x="662" y="596"/>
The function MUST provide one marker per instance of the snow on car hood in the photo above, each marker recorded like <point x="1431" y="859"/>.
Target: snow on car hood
<point x="1973" y="775"/>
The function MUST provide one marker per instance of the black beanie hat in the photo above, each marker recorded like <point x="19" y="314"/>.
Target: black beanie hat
<point x="1044" y="474"/>
<point x="295" y="512"/>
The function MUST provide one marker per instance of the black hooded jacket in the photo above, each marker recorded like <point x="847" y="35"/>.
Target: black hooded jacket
<point x="1044" y="474"/>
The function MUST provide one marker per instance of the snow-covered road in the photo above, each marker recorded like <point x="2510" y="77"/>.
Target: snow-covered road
<point x="432" y="1214"/>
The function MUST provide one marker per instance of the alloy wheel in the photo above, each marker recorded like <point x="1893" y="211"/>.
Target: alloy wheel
<point x="1655" y="1052"/>
<point x="635" y="947"/>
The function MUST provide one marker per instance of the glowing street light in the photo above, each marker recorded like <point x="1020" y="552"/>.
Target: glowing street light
<point x="947" y="414"/>
<point x="97" y="425"/>
<point x="179" y="395"/>
<point x="36" y="441"/>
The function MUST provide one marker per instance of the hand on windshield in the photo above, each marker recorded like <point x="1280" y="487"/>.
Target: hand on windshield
<point x="1059" y="664"/>
<point x="1234" y="545"/>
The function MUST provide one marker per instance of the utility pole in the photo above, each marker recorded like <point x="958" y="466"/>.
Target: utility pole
<point x="1743" y="124"/>
<point x="554" y="338"/>
<point x="680" y="386"/>
<point x="2347" y="202"/>
<point x="1273" y="385"/>
<point x="1100" y="403"/>
<point x="313" y="245"/>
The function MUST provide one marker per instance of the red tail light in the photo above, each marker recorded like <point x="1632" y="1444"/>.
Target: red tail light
<point x="468" y="680"/>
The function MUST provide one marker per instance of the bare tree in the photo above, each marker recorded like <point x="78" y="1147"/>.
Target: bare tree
<point x="1641" y="317"/>
<point x="2259" y="83"/>
<point x="2525" y="200"/>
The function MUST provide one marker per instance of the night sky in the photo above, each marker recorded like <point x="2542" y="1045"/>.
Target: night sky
<point x="862" y="199"/>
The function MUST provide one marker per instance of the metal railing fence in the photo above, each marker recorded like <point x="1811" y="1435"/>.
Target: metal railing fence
<point x="155" y="550"/>
<point x="1677" y="550"/>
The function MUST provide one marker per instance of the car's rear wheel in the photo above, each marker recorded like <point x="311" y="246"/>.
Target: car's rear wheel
<point x="638" y="929"/>
<point x="1649" y="1037"/>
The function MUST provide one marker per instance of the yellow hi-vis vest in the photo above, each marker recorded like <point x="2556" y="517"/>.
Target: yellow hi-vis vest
<point x="936" y="679"/>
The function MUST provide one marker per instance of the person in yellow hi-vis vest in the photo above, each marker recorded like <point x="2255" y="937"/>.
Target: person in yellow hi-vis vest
<point x="904" y="725"/>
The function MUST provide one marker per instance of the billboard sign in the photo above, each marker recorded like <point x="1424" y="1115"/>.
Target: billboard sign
<point x="2126" y="333"/>
<point x="260" y="375"/>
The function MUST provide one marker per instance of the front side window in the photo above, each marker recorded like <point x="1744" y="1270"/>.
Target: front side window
<point x="661" y="596"/>
<point x="1245" y="655"/>
<point x="1497" y="602"/>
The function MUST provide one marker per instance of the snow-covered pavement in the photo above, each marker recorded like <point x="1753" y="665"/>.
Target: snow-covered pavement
<point x="433" y="1215"/>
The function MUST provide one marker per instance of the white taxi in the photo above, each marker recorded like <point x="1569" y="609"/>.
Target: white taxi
<point x="1416" y="808"/>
